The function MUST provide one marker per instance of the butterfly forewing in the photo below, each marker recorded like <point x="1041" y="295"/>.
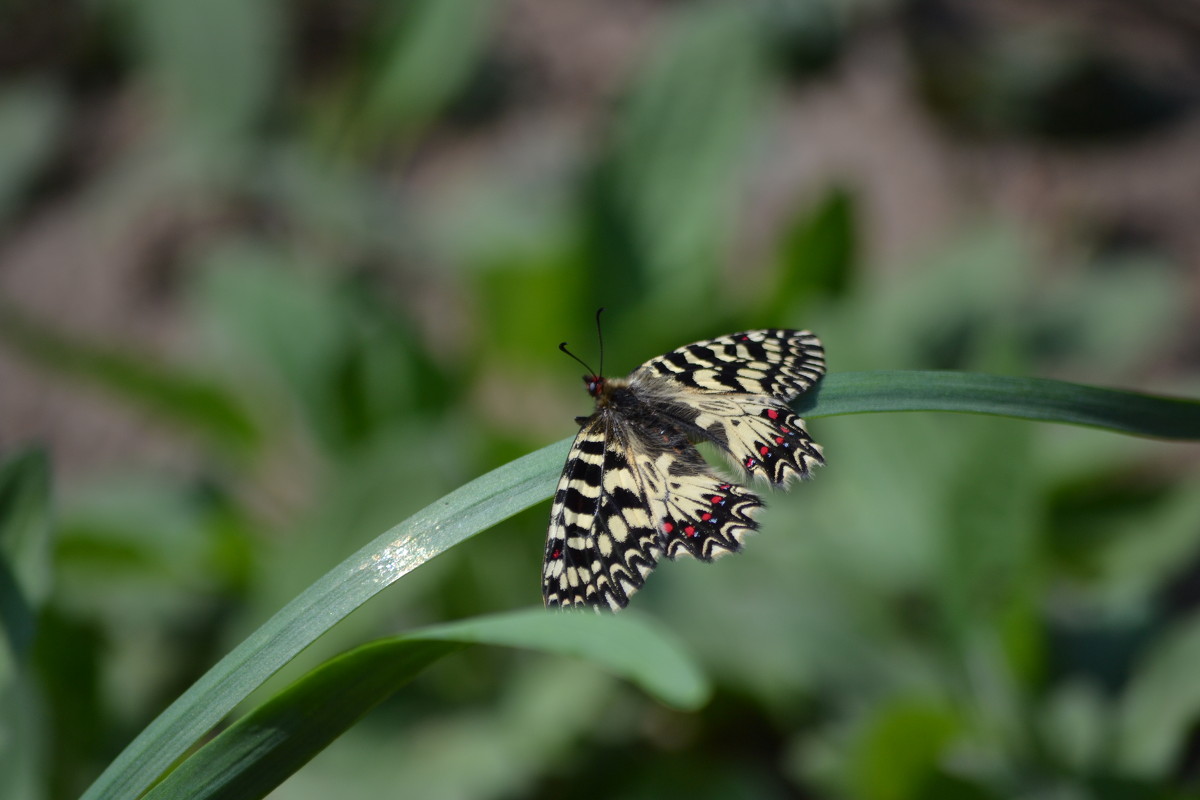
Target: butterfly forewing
<point x="635" y="488"/>
<point x="776" y="363"/>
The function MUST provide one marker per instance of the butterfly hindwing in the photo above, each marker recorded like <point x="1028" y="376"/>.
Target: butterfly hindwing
<point x="696" y="512"/>
<point x="737" y="387"/>
<point x="701" y="515"/>
<point x="762" y="435"/>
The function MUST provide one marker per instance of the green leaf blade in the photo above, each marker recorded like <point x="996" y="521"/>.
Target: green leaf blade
<point x="25" y="542"/>
<point x="1159" y="707"/>
<point x="1023" y="398"/>
<point x="628" y="645"/>
<point x="270" y="743"/>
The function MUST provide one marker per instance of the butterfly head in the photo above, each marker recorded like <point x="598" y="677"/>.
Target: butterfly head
<point x="595" y="384"/>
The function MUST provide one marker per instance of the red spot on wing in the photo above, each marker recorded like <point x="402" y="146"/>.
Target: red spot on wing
<point x="778" y="440"/>
<point x="556" y="554"/>
<point x="764" y="450"/>
<point x="689" y="530"/>
<point x="773" y="413"/>
<point x="705" y="517"/>
<point x="668" y="527"/>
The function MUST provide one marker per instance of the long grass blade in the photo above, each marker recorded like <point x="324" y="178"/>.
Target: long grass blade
<point x="269" y="744"/>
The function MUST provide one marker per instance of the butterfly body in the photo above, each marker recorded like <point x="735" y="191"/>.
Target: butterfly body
<point x="635" y="488"/>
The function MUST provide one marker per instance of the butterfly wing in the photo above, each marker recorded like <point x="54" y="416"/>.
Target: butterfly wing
<point x="775" y="362"/>
<point x="734" y="390"/>
<point x="602" y="540"/>
<point x="697" y="512"/>
<point x="629" y="493"/>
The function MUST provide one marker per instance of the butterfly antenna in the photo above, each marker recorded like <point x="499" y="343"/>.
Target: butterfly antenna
<point x="563" y="347"/>
<point x="600" y="338"/>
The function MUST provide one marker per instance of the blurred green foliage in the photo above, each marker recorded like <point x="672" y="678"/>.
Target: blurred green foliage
<point x="954" y="608"/>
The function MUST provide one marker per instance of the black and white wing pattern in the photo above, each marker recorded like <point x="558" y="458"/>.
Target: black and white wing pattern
<point x="635" y="488"/>
<point x="741" y="385"/>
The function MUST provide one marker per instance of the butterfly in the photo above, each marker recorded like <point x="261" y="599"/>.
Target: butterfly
<point x="635" y="488"/>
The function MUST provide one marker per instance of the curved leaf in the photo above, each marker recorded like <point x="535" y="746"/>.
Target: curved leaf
<point x="260" y="750"/>
<point x="1025" y="398"/>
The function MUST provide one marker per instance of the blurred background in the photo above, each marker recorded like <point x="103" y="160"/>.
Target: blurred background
<point x="275" y="275"/>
